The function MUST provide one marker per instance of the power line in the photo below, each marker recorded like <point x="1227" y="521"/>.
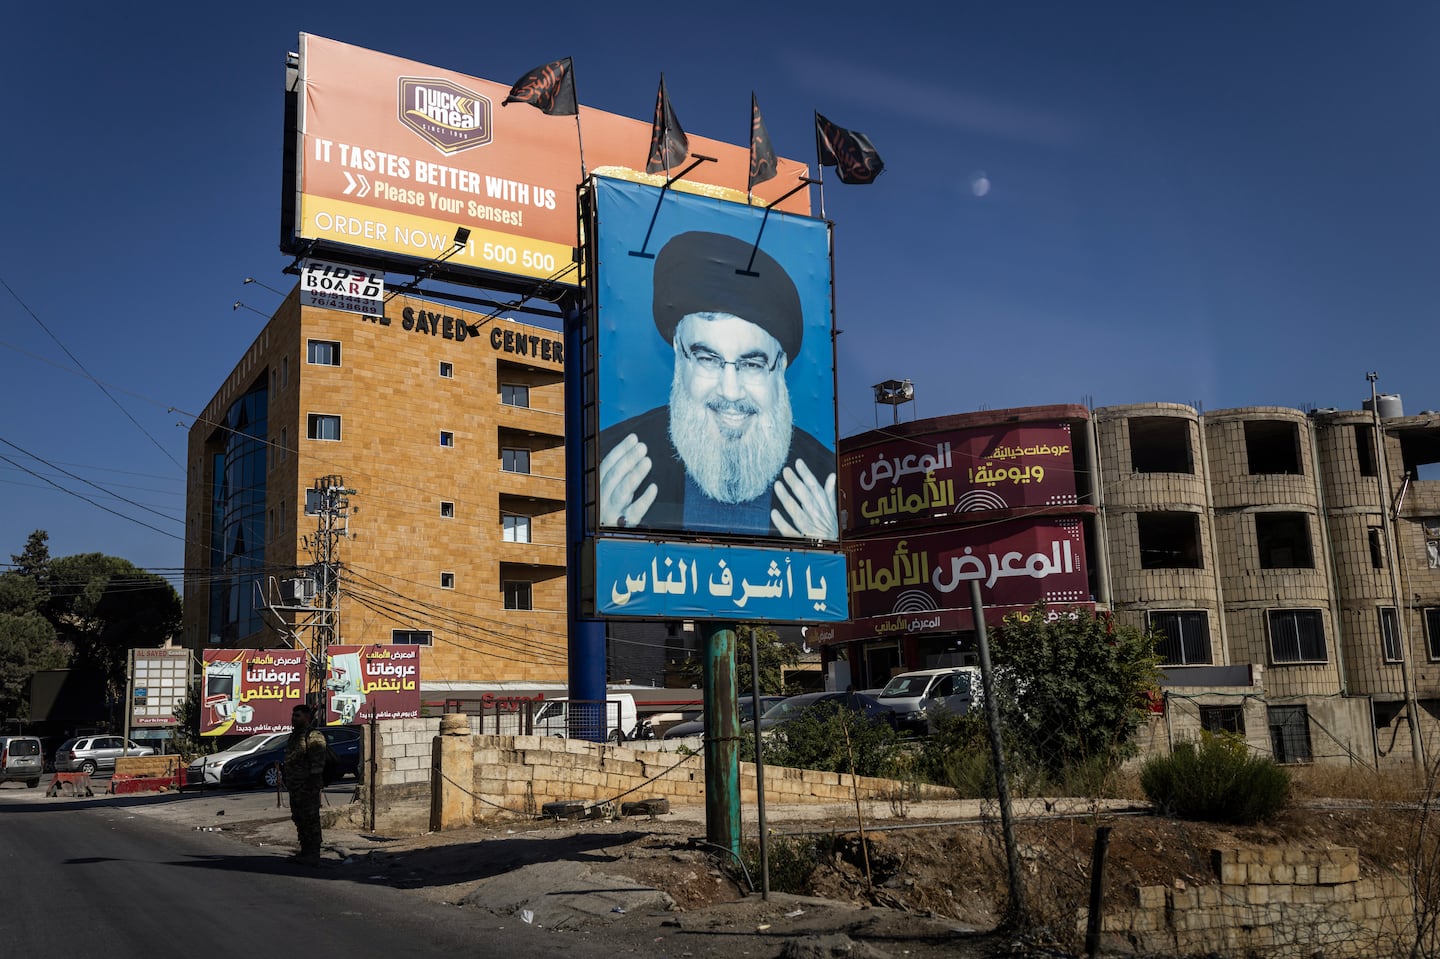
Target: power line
<point x="88" y="374"/>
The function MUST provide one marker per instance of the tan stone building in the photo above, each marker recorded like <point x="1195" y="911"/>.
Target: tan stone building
<point x="448" y="428"/>
<point x="1290" y="561"/>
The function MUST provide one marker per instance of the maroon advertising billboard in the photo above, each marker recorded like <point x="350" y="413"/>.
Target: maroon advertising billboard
<point x="377" y="680"/>
<point x="250" y="690"/>
<point x="956" y="471"/>
<point x="921" y="583"/>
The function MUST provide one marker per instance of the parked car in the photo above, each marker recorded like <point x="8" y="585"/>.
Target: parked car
<point x="918" y="696"/>
<point x="262" y="768"/>
<point x="22" y="759"/>
<point x="696" y="727"/>
<point x="206" y="769"/>
<point x="90" y="754"/>
<point x="788" y="710"/>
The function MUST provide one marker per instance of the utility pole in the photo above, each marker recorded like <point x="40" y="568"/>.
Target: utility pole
<point x="329" y="502"/>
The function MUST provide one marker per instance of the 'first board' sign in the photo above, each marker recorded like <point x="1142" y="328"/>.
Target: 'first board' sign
<point x="337" y="287"/>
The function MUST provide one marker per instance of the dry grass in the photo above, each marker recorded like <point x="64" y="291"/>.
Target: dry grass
<point x="1361" y="783"/>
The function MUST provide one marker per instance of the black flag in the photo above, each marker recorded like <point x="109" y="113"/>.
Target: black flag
<point x="851" y="154"/>
<point x="668" y="145"/>
<point x="762" y="153"/>
<point x="551" y="88"/>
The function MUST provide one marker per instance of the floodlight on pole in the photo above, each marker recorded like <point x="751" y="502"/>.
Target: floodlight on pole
<point x="251" y="279"/>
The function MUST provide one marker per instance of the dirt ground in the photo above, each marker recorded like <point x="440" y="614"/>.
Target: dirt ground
<point x="916" y="888"/>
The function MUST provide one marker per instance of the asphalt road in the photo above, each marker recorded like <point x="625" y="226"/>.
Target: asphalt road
<point x="95" y="874"/>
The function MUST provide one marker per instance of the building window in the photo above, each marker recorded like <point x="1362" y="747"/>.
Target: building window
<point x="1184" y="636"/>
<point x="515" y="461"/>
<point x="1432" y="631"/>
<point x="447" y="580"/>
<point x="1169" y="541"/>
<point x="284" y="372"/>
<point x="284" y="449"/>
<point x="1289" y="734"/>
<point x="1377" y="547"/>
<point x="1160" y="444"/>
<point x="1296" y="636"/>
<point x="322" y="426"/>
<point x="1284" y="541"/>
<point x="1223" y="719"/>
<point x="517" y="529"/>
<point x="518" y="596"/>
<point x="447" y="509"/>
<point x="410" y="637"/>
<point x="322" y="352"/>
<point x="447" y="438"/>
<point x="447" y="369"/>
<point x="1272" y="447"/>
<point x="1365" y="449"/>
<point x="1390" y="634"/>
<point x="514" y="394"/>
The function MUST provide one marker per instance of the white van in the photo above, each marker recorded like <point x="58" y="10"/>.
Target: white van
<point x="22" y="759"/>
<point x="552" y="718"/>
<point x="917" y="696"/>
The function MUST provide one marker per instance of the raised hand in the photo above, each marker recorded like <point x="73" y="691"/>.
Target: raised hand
<point x="622" y="471"/>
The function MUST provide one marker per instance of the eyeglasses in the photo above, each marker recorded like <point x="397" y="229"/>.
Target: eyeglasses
<point x="748" y="369"/>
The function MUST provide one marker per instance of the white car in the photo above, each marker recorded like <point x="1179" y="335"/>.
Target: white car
<point x="207" y="768"/>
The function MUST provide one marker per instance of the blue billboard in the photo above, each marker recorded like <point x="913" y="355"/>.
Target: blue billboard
<point x="719" y="581"/>
<point x="715" y="367"/>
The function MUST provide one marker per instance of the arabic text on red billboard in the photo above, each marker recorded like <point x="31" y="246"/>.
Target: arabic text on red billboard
<point x="376" y="681"/>
<point x="251" y="690"/>
<point x="957" y="471"/>
<point x="1017" y="563"/>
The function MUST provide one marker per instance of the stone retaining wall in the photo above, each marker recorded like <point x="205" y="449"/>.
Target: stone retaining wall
<point x="517" y="775"/>
<point x="1271" y="901"/>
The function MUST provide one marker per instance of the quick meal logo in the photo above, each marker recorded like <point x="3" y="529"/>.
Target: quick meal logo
<point x="448" y="116"/>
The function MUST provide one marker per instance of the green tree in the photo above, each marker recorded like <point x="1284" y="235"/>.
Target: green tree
<point x="27" y="640"/>
<point x="775" y="657"/>
<point x="27" y="645"/>
<point x="34" y="561"/>
<point x="102" y="606"/>
<point x="1072" y="690"/>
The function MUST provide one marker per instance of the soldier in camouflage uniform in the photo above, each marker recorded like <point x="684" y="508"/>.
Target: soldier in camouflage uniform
<point x="304" y="776"/>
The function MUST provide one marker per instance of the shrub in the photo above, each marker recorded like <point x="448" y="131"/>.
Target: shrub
<point x="1216" y="780"/>
<point x="816" y="740"/>
<point x="793" y="861"/>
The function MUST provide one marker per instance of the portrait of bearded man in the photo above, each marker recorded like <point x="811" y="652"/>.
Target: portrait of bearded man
<point x="724" y="454"/>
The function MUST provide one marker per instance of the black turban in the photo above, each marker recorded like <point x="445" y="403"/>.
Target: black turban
<point x="696" y="273"/>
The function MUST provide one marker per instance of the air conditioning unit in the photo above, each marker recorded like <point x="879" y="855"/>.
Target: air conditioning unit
<point x="297" y="592"/>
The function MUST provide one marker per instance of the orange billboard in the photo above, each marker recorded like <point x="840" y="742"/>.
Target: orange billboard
<point x="391" y="157"/>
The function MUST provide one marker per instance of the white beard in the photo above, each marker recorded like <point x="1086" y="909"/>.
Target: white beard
<point x="730" y="467"/>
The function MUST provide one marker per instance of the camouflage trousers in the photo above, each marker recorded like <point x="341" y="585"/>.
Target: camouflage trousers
<point x="305" y="813"/>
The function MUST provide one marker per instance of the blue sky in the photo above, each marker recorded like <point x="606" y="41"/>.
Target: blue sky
<point x="1220" y="204"/>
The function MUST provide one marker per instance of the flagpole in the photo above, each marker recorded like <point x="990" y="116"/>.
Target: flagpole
<point x="581" y="141"/>
<point x="819" y="165"/>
